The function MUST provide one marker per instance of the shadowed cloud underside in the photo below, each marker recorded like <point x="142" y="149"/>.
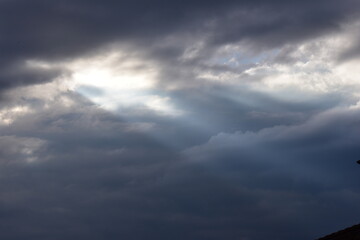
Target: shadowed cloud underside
<point x="178" y="119"/>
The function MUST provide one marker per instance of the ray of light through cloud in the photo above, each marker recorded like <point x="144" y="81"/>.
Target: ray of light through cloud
<point x="179" y="119"/>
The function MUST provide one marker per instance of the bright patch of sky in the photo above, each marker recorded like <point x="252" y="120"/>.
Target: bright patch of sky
<point x="308" y="69"/>
<point x="116" y="82"/>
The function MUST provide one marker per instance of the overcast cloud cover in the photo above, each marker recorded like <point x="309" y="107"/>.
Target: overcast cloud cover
<point x="179" y="119"/>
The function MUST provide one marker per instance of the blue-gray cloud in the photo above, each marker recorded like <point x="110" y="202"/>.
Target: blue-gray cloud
<point x="262" y="146"/>
<point x="62" y="30"/>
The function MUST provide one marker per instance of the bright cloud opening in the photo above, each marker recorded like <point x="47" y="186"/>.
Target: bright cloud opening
<point x="119" y="81"/>
<point x="115" y="82"/>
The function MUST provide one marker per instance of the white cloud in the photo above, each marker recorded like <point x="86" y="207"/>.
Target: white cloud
<point x="309" y="68"/>
<point x="115" y="80"/>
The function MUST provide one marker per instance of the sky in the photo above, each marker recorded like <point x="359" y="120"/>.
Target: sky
<point x="197" y="120"/>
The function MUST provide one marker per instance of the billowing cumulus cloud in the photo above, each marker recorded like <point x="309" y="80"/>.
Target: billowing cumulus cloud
<point x="178" y="119"/>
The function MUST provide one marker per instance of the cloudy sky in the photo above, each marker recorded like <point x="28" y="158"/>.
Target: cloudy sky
<point x="197" y="120"/>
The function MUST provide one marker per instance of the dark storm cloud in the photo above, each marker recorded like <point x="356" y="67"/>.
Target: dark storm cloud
<point x="78" y="172"/>
<point x="314" y="160"/>
<point x="20" y="74"/>
<point x="254" y="166"/>
<point x="65" y="29"/>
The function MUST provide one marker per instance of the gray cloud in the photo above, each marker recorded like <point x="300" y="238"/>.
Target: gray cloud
<point x="94" y="175"/>
<point x="245" y="160"/>
<point x="109" y="186"/>
<point x="66" y="29"/>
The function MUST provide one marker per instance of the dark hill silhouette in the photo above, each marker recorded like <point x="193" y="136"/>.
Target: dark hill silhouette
<point x="351" y="233"/>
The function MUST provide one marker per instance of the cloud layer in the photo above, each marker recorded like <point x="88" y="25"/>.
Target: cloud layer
<point x="178" y="120"/>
